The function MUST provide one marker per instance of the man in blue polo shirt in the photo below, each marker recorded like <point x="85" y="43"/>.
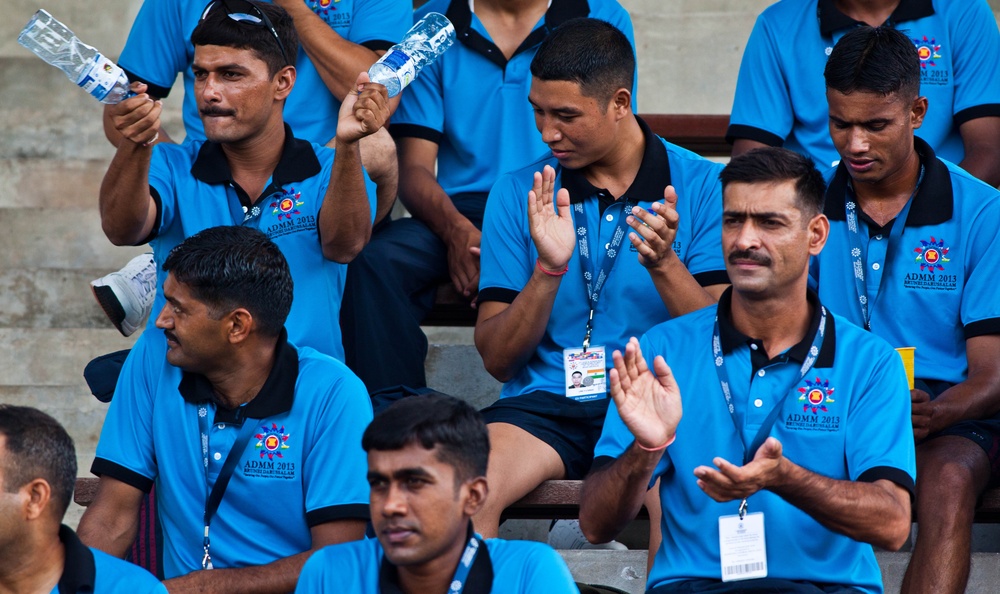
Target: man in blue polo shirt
<point x="795" y="447"/>
<point x="37" y="476"/>
<point x="315" y="203"/>
<point x="780" y="95"/>
<point x="614" y="231"/>
<point x="467" y="114"/>
<point x="340" y="40"/>
<point x="427" y="460"/>
<point x="251" y="441"/>
<point x="911" y="257"/>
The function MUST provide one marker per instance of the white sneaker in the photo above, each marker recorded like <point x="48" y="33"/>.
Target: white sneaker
<point x="566" y="534"/>
<point x="127" y="296"/>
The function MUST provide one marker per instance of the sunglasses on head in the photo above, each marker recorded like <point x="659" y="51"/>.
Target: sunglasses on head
<point x="251" y="14"/>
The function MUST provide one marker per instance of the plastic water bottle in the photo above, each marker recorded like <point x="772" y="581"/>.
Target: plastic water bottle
<point x="423" y="43"/>
<point x="53" y="42"/>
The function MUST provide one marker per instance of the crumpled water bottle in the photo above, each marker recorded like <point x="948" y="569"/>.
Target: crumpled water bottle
<point x="421" y="45"/>
<point x="53" y="42"/>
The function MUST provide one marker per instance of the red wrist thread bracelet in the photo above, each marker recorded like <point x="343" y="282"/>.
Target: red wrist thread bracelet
<point x="659" y="448"/>
<point x="538" y="262"/>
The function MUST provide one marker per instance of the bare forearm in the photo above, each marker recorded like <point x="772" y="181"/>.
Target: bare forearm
<point x="507" y="340"/>
<point x="125" y="204"/>
<point x="115" y="137"/>
<point x="345" y="218"/>
<point x="273" y="578"/>
<point x="984" y="165"/>
<point x="612" y="496"/>
<point x="337" y="60"/>
<point x="679" y="291"/>
<point x="427" y="201"/>
<point x="877" y="513"/>
<point x="108" y="529"/>
<point x="975" y="398"/>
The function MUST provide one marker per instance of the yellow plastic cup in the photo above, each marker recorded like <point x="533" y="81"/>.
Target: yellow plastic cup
<point x="906" y="354"/>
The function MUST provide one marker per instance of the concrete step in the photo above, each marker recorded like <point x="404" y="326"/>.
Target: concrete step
<point x="58" y="238"/>
<point x="50" y="298"/>
<point x="626" y="570"/>
<point x="51" y="183"/>
<point x="54" y="357"/>
<point x="457" y="369"/>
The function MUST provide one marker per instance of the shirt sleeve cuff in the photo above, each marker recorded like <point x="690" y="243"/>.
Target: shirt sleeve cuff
<point x="497" y="294"/>
<point x="377" y="44"/>
<point x="152" y="90"/>
<point x="889" y="473"/>
<point x="105" y="467"/>
<point x="982" y="328"/>
<point x="347" y="511"/>
<point x="712" y="277"/>
<point x="977" y="111"/>
<point x="414" y="131"/>
<point x="738" y="131"/>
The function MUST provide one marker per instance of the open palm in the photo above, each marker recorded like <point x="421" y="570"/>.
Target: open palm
<point x="648" y="404"/>
<point x="552" y="230"/>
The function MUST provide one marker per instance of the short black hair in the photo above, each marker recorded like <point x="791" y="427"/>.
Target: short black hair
<point x="590" y="52"/>
<point x="580" y="373"/>
<point x="217" y="28"/>
<point x="878" y="60"/>
<point x="234" y="266"/>
<point x="434" y="420"/>
<point x="774" y="165"/>
<point x="37" y="446"/>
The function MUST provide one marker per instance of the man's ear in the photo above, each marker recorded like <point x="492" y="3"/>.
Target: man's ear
<point x="240" y="324"/>
<point x="475" y="492"/>
<point x="621" y="102"/>
<point x="284" y="81"/>
<point x="917" y="112"/>
<point x="819" y="231"/>
<point x="37" y="493"/>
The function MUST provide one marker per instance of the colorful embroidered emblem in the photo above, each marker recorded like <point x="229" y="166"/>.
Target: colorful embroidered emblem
<point x="271" y="441"/>
<point x="928" y="50"/>
<point x="287" y="204"/>
<point x="932" y="255"/>
<point x="815" y="395"/>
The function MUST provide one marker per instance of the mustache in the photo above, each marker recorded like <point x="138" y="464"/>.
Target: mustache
<point x="216" y="111"/>
<point x="752" y="256"/>
<point x="170" y="336"/>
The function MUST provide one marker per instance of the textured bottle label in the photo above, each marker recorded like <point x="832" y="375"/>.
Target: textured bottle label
<point x="402" y="64"/>
<point x="101" y="77"/>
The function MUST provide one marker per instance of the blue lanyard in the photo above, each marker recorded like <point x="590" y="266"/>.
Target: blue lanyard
<point x="859" y="254"/>
<point x="226" y="473"/>
<point x="593" y="276"/>
<point x="464" y="566"/>
<point x="765" y="428"/>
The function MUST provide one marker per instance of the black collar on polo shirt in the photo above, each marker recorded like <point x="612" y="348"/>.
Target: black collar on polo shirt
<point x="275" y="397"/>
<point x="480" y="580"/>
<point x="653" y="176"/>
<point x="558" y="13"/>
<point x="935" y="200"/>
<point x="79" y="571"/>
<point x="831" y="19"/>
<point x="730" y="338"/>
<point x="298" y="162"/>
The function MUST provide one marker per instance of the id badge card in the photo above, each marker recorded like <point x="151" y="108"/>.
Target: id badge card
<point x="741" y="547"/>
<point x="586" y="373"/>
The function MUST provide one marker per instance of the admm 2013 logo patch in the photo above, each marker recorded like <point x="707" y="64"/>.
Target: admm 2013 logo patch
<point x="931" y="258"/>
<point x="815" y="395"/>
<point x="817" y="399"/>
<point x="287" y="204"/>
<point x="272" y="441"/>
<point x="272" y="444"/>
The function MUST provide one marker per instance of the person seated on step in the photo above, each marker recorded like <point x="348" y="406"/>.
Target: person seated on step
<point x="253" y="442"/>
<point x="427" y="460"/>
<point x="613" y="231"/>
<point x="795" y="452"/>
<point x="913" y="237"/>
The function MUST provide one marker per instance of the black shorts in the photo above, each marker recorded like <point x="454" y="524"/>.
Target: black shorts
<point x="572" y="428"/>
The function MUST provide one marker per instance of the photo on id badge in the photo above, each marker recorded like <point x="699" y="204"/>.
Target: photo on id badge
<point x="586" y="375"/>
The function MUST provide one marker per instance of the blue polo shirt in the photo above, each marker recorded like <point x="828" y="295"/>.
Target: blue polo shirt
<point x="303" y="467"/>
<point x="629" y="302"/>
<point x="781" y="92"/>
<point x="938" y="284"/>
<point x="159" y="47"/>
<point x="511" y="567"/>
<point x="90" y="571"/>
<point x="193" y="190"/>
<point x="848" y="419"/>
<point x="473" y="103"/>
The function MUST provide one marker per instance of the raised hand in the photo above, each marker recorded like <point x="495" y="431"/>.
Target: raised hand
<point x="552" y="232"/>
<point x="138" y="118"/>
<point x="654" y="232"/>
<point x="363" y="112"/>
<point x="648" y="404"/>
